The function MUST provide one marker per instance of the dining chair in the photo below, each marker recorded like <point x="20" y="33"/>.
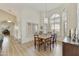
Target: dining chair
<point x="38" y="42"/>
<point x="47" y="43"/>
<point x="35" y="39"/>
<point x="53" y="39"/>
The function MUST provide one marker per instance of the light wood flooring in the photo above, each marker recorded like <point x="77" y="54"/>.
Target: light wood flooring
<point x="12" y="47"/>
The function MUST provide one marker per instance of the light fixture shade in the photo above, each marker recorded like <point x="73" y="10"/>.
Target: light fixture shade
<point x="46" y="20"/>
<point x="9" y="21"/>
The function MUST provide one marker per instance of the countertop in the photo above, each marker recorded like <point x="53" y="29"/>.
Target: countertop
<point x="70" y="41"/>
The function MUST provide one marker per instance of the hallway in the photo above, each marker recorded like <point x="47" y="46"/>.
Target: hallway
<point x="11" y="47"/>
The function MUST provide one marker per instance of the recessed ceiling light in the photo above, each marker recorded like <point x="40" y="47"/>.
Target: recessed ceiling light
<point x="9" y="21"/>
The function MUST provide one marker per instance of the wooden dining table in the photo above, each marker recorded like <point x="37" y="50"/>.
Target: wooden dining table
<point x="45" y="39"/>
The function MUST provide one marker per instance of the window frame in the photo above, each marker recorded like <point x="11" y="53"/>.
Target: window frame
<point x="54" y="22"/>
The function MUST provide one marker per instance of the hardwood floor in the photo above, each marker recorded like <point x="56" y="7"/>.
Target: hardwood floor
<point x="12" y="47"/>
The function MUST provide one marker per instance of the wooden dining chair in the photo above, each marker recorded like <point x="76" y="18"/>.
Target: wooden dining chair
<point x="52" y="40"/>
<point x="38" y="42"/>
<point x="47" y="43"/>
<point x="55" y="37"/>
<point x="35" y="39"/>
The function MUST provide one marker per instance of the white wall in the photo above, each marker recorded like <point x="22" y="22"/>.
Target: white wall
<point x="78" y="17"/>
<point x="28" y="15"/>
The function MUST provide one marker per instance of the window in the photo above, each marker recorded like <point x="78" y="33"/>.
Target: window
<point x="55" y="15"/>
<point x="52" y="26"/>
<point x="55" y="23"/>
<point x="57" y="26"/>
<point x="45" y="26"/>
<point x="45" y="20"/>
<point x="32" y="28"/>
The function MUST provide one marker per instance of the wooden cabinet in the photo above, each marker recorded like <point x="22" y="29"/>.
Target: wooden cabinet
<point x="70" y="49"/>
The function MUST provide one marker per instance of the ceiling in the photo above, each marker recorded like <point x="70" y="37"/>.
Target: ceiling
<point x="43" y="6"/>
<point x="37" y="6"/>
<point x="11" y="7"/>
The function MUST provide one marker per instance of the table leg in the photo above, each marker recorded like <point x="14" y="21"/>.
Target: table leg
<point x="35" y="42"/>
<point x="44" y="46"/>
<point x="50" y="45"/>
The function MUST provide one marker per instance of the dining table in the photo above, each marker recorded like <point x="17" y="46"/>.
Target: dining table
<point x="45" y="39"/>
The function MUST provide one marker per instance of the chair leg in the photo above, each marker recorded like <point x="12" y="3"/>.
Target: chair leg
<point x="53" y="44"/>
<point x="38" y="47"/>
<point x="35" y="43"/>
<point x="50" y="46"/>
<point x="55" y="41"/>
<point x="44" y="46"/>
